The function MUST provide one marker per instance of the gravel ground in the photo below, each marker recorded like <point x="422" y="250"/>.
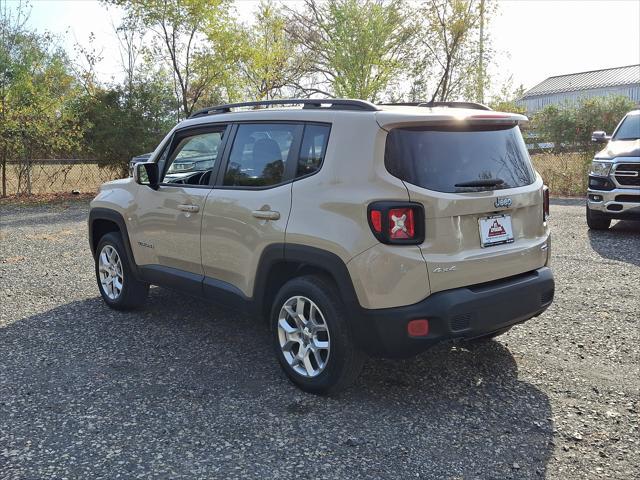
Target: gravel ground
<point x="182" y="389"/>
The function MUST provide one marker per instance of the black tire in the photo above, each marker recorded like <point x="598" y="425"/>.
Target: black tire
<point x="487" y="338"/>
<point x="597" y="221"/>
<point x="134" y="292"/>
<point x="345" y="359"/>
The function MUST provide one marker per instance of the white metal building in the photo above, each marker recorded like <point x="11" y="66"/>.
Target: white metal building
<point x="567" y="89"/>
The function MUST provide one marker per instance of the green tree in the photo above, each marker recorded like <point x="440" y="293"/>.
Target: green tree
<point x="451" y="54"/>
<point x="506" y="99"/>
<point x="358" y="48"/>
<point x="195" y="38"/>
<point x="126" y="120"/>
<point x="36" y="94"/>
<point x="273" y="60"/>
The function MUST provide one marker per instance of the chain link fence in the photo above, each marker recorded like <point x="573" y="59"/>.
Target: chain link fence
<point x="55" y="176"/>
<point x="564" y="173"/>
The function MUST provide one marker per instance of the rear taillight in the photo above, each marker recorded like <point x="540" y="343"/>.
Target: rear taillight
<point x="399" y="223"/>
<point x="375" y="217"/>
<point x="545" y="203"/>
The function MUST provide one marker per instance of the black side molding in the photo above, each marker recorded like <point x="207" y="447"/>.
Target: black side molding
<point x="173" y="278"/>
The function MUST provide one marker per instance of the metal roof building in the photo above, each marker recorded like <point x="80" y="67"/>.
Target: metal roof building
<point x="567" y="89"/>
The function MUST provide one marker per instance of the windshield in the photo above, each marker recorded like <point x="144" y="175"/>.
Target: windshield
<point x="458" y="160"/>
<point x="629" y="129"/>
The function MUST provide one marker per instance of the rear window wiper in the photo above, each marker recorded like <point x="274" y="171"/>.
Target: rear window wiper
<point x="490" y="182"/>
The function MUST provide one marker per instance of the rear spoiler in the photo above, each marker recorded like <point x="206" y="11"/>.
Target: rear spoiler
<point x="408" y="117"/>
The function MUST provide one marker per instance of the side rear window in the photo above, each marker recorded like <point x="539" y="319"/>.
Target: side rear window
<point x="259" y="154"/>
<point x="312" y="150"/>
<point x="458" y="160"/>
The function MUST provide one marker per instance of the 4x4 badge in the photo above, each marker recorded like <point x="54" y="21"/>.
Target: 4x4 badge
<point x="504" y="202"/>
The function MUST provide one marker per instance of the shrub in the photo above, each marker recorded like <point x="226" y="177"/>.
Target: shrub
<point x="569" y="127"/>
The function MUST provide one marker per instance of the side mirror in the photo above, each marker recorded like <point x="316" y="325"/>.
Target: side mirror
<point x="599" y="137"/>
<point x="146" y="174"/>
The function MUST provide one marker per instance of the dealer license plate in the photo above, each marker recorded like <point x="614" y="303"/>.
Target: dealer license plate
<point x="495" y="230"/>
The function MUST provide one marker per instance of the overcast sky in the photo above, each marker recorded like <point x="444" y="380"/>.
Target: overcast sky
<point x="534" y="39"/>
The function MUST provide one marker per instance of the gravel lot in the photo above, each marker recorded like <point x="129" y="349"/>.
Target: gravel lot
<point x="181" y="389"/>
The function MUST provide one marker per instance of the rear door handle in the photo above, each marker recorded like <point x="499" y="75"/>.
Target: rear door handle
<point x="266" y="214"/>
<point x="189" y="208"/>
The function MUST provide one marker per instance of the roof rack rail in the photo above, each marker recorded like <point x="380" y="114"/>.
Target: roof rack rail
<point x="307" y="103"/>
<point x="401" y="104"/>
<point x="470" y="105"/>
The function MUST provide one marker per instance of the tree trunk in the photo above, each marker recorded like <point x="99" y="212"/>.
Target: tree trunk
<point x="4" y="171"/>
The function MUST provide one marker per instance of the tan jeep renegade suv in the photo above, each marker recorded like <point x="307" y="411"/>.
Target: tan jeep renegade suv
<point x="353" y="228"/>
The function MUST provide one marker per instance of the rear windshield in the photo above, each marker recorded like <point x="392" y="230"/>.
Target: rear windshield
<point x="457" y="160"/>
<point x="629" y="129"/>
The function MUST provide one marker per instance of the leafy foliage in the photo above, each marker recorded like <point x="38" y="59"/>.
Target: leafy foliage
<point x="273" y="60"/>
<point x="358" y="48"/>
<point x="195" y="38"/>
<point x="570" y="126"/>
<point x="126" y="120"/>
<point x="506" y="99"/>
<point x="36" y="89"/>
<point x="448" y="65"/>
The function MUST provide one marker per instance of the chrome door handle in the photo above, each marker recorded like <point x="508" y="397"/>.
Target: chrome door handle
<point x="266" y="214"/>
<point x="189" y="208"/>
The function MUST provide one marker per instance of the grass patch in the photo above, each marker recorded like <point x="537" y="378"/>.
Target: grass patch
<point x="566" y="174"/>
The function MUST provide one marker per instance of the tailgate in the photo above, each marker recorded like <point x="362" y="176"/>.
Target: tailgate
<point x="483" y="201"/>
<point x="453" y="246"/>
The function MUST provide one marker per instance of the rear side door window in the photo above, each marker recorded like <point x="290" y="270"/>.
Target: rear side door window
<point x="260" y="154"/>
<point x="312" y="150"/>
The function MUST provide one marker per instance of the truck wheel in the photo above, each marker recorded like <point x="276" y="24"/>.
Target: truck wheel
<point x="118" y="286"/>
<point x="597" y="221"/>
<point x="312" y="338"/>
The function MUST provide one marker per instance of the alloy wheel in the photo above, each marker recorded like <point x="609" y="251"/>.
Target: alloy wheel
<point x="303" y="336"/>
<point x="110" y="271"/>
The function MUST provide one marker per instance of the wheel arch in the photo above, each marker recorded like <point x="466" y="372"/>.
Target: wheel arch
<point x="282" y="262"/>
<point x="103" y="221"/>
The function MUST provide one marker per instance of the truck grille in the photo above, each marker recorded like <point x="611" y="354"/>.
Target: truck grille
<point x="628" y="174"/>
<point x="628" y="198"/>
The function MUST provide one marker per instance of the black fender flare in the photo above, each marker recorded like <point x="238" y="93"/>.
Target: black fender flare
<point x="115" y="217"/>
<point x="304" y="255"/>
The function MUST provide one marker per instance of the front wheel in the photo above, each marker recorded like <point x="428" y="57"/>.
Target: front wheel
<point x="597" y="221"/>
<point x="311" y="336"/>
<point x="118" y="287"/>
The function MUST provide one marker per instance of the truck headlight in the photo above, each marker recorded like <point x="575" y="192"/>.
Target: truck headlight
<point x="600" y="169"/>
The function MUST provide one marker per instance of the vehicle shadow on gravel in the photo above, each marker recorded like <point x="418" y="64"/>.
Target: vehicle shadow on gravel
<point x="183" y="389"/>
<point x="621" y="242"/>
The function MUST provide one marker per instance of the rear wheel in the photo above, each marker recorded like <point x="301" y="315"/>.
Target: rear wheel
<point x="311" y="336"/>
<point x="597" y="221"/>
<point x="118" y="287"/>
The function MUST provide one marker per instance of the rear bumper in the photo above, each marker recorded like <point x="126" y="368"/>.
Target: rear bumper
<point x="619" y="203"/>
<point x="461" y="313"/>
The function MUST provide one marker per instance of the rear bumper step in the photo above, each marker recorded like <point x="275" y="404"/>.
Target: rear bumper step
<point x="461" y="313"/>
